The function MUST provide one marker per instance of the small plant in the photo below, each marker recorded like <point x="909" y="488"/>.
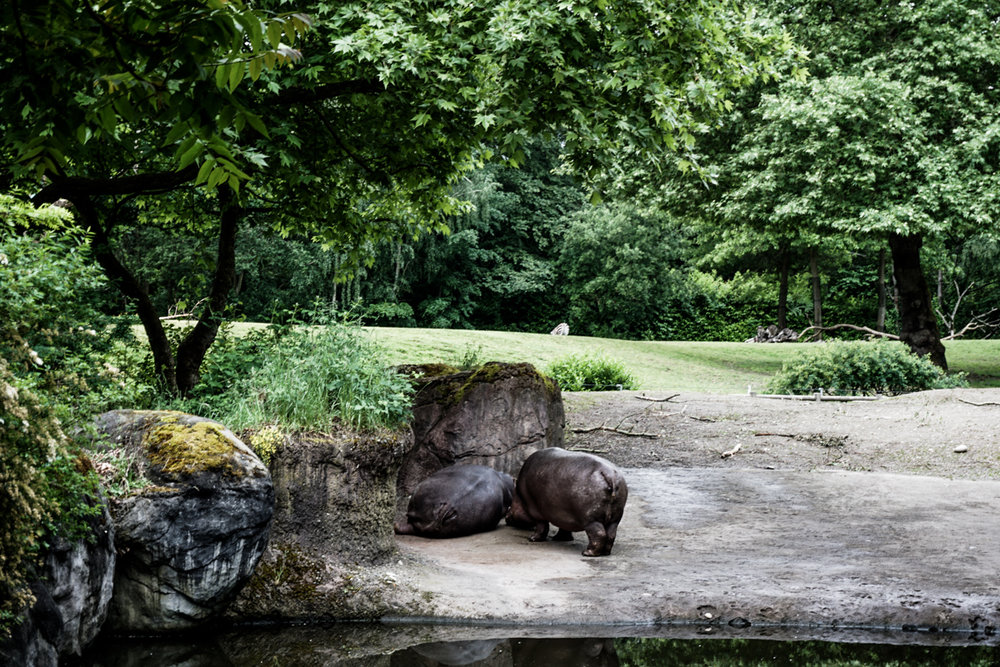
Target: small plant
<point x="590" y="373"/>
<point x="860" y="367"/>
<point x="471" y="358"/>
<point x="265" y="442"/>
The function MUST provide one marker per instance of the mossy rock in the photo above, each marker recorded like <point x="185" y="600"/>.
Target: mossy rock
<point x="191" y="536"/>
<point x="495" y="415"/>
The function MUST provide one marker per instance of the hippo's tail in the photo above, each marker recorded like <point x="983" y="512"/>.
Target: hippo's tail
<point x="614" y="485"/>
<point x="617" y="494"/>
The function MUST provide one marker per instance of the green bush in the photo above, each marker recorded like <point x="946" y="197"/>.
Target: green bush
<point x="47" y="489"/>
<point x="313" y="377"/>
<point x="590" y="373"/>
<point x="860" y="367"/>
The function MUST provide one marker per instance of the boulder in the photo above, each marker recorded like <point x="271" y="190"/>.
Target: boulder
<point x="71" y="599"/>
<point x="496" y="415"/>
<point x="189" y="539"/>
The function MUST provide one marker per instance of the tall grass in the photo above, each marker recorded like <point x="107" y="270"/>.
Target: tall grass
<point x="317" y="376"/>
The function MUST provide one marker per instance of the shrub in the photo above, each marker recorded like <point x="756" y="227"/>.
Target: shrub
<point x="590" y="373"/>
<point x="47" y="489"/>
<point x="860" y="367"/>
<point x="315" y="376"/>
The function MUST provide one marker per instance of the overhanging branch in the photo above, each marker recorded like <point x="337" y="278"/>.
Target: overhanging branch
<point x="68" y="188"/>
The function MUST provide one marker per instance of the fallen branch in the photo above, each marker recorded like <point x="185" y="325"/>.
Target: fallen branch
<point x="726" y="454"/>
<point x="978" y="405"/>
<point x="658" y="400"/>
<point x="670" y="414"/>
<point x="589" y="451"/>
<point x="634" y="434"/>
<point x="777" y="435"/>
<point x="868" y="330"/>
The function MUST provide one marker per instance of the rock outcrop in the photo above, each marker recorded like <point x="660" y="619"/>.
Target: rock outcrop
<point x="335" y="497"/>
<point x="496" y="415"/>
<point x="71" y="598"/>
<point x="190" y="539"/>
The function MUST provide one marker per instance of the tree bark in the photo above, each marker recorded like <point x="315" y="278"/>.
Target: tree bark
<point x="817" y="291"/>
<point x="882" y="297"/>
<point x="192" y="350"/>
<point x="917" y="326"/>
<point x="125" y="281"/>
<point x="783" y="291"/>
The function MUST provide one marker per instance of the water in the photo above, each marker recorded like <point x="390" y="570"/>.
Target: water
<point x="351" y="645"/>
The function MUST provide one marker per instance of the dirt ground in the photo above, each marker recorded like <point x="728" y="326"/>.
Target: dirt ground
<point x="752" y="516"/>
<point x="915" y="434"/>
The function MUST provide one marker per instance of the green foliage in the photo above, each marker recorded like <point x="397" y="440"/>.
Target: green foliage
<point x="139" y="112"/>
<point x="53" y="330"/>
<point x="48" y="490"/>
<point x="590" y="373"/>
<point x="313" y="377"/>
<point x="860" y="367"/>
<point x="623" y="270"/>
<point x="54" y="371"/>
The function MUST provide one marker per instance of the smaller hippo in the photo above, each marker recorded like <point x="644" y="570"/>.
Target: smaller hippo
<point x="458" y="500"/>
<point x="574" y="491"/>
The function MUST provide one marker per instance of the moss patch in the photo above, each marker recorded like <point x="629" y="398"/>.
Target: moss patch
<point x="454" y="387"/>
<point x="179" y="449"/>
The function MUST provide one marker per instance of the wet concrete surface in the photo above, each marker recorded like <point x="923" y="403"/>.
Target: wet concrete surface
<point x="743" y="552"/>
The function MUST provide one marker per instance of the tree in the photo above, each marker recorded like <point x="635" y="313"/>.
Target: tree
<point x="895" y="136"/>
<point x="117" y="102"/>
<point x="623" y="270"/>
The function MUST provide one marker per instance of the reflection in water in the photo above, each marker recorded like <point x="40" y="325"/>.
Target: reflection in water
<point x="511" y="653"/>
<point x="401" y="647"/>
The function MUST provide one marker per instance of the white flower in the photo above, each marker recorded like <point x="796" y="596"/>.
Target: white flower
<point x="35" y="359"/>
<point x="3" y="259"/>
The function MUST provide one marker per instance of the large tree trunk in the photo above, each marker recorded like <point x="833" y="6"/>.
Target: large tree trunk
<point x="882" y="296"/>
<point x="783" y="291"/>
<point x="192" y="350"/>
<point x="917" y="326"/>
<point x="817" y="288"/>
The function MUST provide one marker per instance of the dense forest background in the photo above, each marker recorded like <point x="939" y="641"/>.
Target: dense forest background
<point x="782" y="213"/>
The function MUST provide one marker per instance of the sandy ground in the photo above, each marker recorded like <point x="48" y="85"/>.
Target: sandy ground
<point x="750" y="516"/>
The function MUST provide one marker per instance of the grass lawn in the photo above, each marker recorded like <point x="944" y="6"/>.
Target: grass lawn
<point x="658" y="366"/>
<point x="718" y="368"/>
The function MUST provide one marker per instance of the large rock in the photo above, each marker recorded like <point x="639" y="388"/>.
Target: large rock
<point x="334" y="508"/>
<point x="496" y="415"/>
<point x="71" y="598"/>
<point x="189" y="540"/>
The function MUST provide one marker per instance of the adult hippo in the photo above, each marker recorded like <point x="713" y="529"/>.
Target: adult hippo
<point x="458" y="500"/>
<point x="574" y="491"/>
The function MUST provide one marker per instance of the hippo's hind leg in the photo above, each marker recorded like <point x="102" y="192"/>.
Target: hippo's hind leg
<point x="599" y="543"/>
<point x="612" y="532"/>
<point x="563" y="535"/>
<point x="541" y="532"/>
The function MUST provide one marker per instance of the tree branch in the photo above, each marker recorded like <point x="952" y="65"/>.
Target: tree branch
<point x="151" y="183"/>
<point x="329" y="91"/>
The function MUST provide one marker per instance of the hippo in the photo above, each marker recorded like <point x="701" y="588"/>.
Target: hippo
<point x="573" y="490"/>
<point x="458" y="500"/>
